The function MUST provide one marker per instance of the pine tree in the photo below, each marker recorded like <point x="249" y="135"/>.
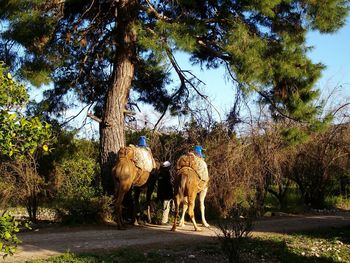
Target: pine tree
<point x="101" y="49"/>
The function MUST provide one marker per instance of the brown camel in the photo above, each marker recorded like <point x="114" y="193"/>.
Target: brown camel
<point x="129" y="171"/>
<point x="191" y="178"/>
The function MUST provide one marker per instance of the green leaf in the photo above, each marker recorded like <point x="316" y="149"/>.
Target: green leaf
<point x="12" y="116"/>
<point x="7" y="236"/>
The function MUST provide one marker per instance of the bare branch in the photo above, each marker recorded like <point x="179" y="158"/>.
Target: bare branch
<point x="75" y="116"/>
<point x="93" y="117"/>
<point x="339" y="108"/>
<point x="185" y="80"/>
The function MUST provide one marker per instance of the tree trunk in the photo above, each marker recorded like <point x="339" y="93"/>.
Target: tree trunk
<point x="112" y="134"/>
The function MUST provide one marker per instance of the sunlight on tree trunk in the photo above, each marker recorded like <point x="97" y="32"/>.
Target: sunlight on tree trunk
<point x="112" y="127"/>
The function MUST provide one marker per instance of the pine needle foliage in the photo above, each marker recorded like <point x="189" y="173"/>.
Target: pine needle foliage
<point x="74" y="45"/>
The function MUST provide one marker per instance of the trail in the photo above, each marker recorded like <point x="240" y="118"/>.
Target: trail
<point x="42" y="243"/>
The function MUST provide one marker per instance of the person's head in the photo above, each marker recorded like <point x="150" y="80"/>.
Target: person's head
<point x="198" y="150"/>
<point x="142" y="141"/>
<point x="166" y="164"/>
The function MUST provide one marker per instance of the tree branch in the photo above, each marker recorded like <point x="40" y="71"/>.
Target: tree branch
<point x="93" y="117"/>
<point x="262" y="94"/>
<point x="152" y="10"/>
<point x="339" y="108"/>
<point x="75" y="116"/>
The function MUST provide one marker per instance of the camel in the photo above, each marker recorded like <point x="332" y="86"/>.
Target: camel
<point x="130" y="169"/>
<point x="191" y="178"/>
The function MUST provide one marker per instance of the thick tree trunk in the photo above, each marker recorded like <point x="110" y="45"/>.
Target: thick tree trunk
<point x="112" y="134"/>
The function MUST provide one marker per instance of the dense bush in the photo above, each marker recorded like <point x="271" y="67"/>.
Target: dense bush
<point x="321" y="164"/>
<point x="246" y="169"/>
<point x="75" y="187"/>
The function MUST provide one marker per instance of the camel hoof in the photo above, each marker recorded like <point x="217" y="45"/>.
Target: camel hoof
<point x="182" y="224"/>
<point x="198" y="229"/>
<point x="206" y="225"/>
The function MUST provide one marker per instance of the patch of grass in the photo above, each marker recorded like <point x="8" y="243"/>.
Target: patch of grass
<point x="340" y="202"/>
<point x="323" y="245"/>
<point x="122" y="256"/>
<point x="68" y="257"/>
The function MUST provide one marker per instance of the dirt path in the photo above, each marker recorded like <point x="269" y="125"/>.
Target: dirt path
<point x="53" y="241"/>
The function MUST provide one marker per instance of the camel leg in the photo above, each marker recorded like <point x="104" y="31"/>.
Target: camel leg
<point x="177" y="204"/>
<point x="120" y="190"/>
<point x="191" y="205"/>
<point x="184" y="210"/>
<point x="118" y="208"/>
<point x="202" y="207"/>
<point x="150" y="188"/>
<point x="136" y="211"/>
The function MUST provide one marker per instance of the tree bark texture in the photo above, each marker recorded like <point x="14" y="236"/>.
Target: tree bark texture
<point x="112" y="134"/>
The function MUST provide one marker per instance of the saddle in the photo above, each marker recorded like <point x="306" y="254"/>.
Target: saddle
<point x="143" y="158"/>
<point x="194" y="162"/>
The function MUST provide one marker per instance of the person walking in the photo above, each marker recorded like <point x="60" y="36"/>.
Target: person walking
<point x="165" y="191"/>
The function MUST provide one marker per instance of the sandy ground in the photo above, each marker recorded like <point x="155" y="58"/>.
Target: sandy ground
<point x="45" y="242"/>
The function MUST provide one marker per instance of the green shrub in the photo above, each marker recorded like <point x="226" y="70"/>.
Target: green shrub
<point x="89" y="210"/>
<point x="8" y="239"/>
<point x="338" y="202"/>
<point x="76" y="188"/>
<point x="75" y="179"/>
<point x="235" y="228"/>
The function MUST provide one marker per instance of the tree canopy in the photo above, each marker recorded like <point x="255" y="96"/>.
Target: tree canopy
<point x="72" y="43"/>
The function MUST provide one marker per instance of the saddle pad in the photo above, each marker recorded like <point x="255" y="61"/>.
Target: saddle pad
<point x="143" y="158"/>
<point x="202" y="168"/>
<point x="196" y="163"/>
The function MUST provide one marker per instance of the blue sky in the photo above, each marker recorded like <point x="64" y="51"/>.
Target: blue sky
<point x="333" y="50"/>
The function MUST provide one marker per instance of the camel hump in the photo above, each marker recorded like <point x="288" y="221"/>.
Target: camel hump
<point x="126" y="152"/>
<point x="196" y="163"/>
<point x="143" y="158"/>
<point x="186" y="160"/>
